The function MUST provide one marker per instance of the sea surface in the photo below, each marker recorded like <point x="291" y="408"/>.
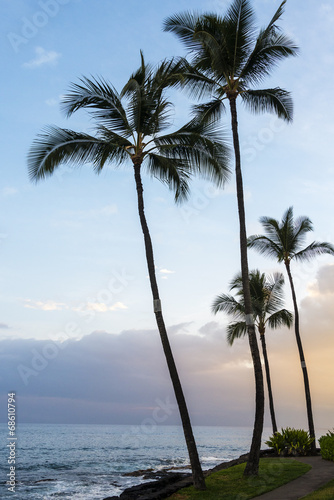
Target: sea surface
<point x="88" y="462"/>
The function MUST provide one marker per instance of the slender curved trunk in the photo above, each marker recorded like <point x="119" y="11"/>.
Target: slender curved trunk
<point x="252" y="466"/>
<point x="198" y="477"/>
<point x="270" y="393"/>
<point x="302" y="362"/>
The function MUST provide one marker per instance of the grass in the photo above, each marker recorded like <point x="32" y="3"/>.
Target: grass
<point x="229" y="484"/>
<point x="324" y="493"/>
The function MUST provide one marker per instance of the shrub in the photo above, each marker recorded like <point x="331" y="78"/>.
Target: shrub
<point x="291" y="442"/>
<point x="327" y="446"/>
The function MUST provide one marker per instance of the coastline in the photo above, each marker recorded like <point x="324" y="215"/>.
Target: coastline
<point x="162" y="484"/>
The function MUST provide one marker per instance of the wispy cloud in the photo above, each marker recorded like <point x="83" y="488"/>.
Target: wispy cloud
<point x="52" y="101"/>
<point x="165" y="272"/>
<point x="43" y="57"/>
<point x="49" y="305"/>
<point x="8" y="191"/>
<point x="102" y="307"/>
<point x="4" y="326"/>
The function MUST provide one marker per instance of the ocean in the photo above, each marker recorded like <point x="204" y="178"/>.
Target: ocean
<point x="88" y="462"/>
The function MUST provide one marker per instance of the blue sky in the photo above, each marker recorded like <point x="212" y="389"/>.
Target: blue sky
<point x="72" y="257"/>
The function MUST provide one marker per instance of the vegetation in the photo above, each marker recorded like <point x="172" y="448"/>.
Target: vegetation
<point x="291" y="442"/>
<point x="327" y="446"/>
<point x="132" y="132"/>
<point x="229" y="58"/>
<point x="267" y="301"/>
<point x="284" y="241"/>
<point x="230" y="484"/>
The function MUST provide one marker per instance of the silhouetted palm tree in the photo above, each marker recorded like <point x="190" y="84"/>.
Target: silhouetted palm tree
<point x="284" y="241"/>
<point x="129" y="129"/>
<point x="229" y="58"/>
<point x="267" y="302"/>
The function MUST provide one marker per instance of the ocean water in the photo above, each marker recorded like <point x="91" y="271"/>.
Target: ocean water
<point x="88" y="462"/>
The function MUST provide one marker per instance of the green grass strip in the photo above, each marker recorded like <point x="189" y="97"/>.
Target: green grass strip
<point x="326" y="492"/>
<point x="229" y="484"/>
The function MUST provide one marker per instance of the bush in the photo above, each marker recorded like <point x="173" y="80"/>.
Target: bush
<point x="327" y="446"/>
<point x="291" y="442"/>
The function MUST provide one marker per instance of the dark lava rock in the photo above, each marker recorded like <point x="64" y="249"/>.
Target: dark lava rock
<point x="167" y="482"/>
<point x="163" y="487"/>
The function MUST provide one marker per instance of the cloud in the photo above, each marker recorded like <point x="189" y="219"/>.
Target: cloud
<point x="8" y="191"/>
<point x="52" y="101"/>
<point x="101" y="307"/>
<point x="43" y="57"/>
<point x="48" y="305"/>
<point x="165" y="273"/>
<point x="124" y="375"/>
<point x="4" y="326"/>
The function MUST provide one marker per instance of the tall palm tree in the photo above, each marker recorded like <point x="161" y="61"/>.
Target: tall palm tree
<point x="267" y="302"/>
<point x="228" y="59"/>
<point x="129" y="128"/>
<point x="285" y="242"/>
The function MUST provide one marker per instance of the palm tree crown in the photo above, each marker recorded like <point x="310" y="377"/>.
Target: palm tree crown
<point x="132" y="131"/>
<point x="285" y="240"/>
<point x="229" y="58"/>
<point x="267" y="304"/>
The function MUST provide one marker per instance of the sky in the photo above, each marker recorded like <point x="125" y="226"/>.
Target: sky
<point x="78" y="340"/>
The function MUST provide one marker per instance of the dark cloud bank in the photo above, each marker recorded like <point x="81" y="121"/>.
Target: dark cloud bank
<point x="108" y="378"/>
<point x="123" y="378"/>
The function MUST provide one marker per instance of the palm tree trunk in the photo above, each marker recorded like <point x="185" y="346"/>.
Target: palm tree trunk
<point x="270" y="394"/>
<point x="302" y="362"/>
<point x="198" y="477"/>
<point x="252" y="466"/>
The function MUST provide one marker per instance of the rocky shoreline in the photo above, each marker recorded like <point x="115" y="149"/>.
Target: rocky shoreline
<point x="164" y="483"/>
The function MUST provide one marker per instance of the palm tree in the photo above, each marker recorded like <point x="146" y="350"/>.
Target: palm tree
<point x="285" y="241"/>
<point x="133" y="131"/>
<point x="228" y="59"/>
<point x="267" y="302"/>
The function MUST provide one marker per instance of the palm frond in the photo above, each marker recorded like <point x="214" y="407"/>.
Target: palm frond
<point x="265" y="246"/>
<point x="274" y="100"/>
<point x="60" y="146"/>
<point x="235" y="331"/>
<point x="201" y="146"/>
<point x="210" y="111"/>
<point x="183" y="25"/>
<point x="229" y="305"/>
<point x="215" y="56"/>
<point x="101" y="99"/>
<point x="280" y="318"/>
<point x="172" y="171"/>
<point x="240" y="25"/>
<point x="195" y="82"/>
<point x="314" y="249"/>
<point x="270" y="47"/>
<point x="148" y="111"/>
